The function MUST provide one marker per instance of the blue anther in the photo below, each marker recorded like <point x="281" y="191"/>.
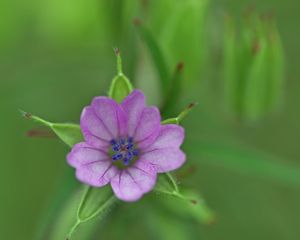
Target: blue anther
<point x="126" y="161"/>
<point x="123" y="149"/>
<point x="135" y="152"/>
<point x="117" y="156"/>
<point x="129" y="146"/>
<point x="129" y="155"/>
<point x="116" y="147"/>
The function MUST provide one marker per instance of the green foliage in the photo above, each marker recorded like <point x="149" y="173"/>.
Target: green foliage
<point x="232" y="81"/>
<point x="276" y="67"/>
<point x="246" y="161"/>
<point x="184" y="37"/>
<point x="253" y="85"/>
<point x="157" y="55"/>
<point x="174" y="91"/>
<point x="162" y="226"/>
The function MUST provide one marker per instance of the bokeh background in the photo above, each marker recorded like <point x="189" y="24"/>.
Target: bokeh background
<point x="55" y="55"/>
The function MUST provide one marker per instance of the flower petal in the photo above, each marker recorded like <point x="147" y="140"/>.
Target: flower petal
<point x="97" y="174"/>
<point x="111" y="115"/>
<point x="149" y="123"/>
<point x="93" y="129"/>
<point x="83" y="153"/>
<point x="165" y="159"/>
<point x="133" y="105"/>
<point x="144" y="144"/>
<point x="131" y="183"/>
<point x="170" y="136"/>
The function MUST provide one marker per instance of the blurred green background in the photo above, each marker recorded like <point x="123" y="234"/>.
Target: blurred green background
<point x="57" y="54"/>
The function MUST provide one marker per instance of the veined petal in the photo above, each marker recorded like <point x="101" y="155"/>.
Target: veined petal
<point x="111" y="115"/>
<point x="96" y="174"/>
<point x="170" y="136"/>
<point x="149" y="123"/>
<point x="147" y="142"/>
<point x="133" y="105"/>
<point x="83" y="154"/>
<point x="132" y="183"/>
<point x="93" y="129"/>
<point x="164" y="159"/>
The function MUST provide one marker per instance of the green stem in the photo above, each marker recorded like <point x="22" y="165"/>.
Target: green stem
<point x="73" y="229"/>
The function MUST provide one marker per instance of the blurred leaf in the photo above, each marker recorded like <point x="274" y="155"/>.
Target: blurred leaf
<point x="65" y="186"/>
<point x="162" y="226"/>
<point x="245" y="161"/>
<point x="171" y="100"/>
<point x="68" y="21"/>
<point x="69" y="133"/>
<point x="276" y="67"/>
<point x="231" y="79"/>
<point x="183" y="36"/>
<point x="95" y="202"/>
<point x="157" y="55"/>
<point x="254" y="101"/>
<point x="253" y="67"/>
<point x="120" y="86"/>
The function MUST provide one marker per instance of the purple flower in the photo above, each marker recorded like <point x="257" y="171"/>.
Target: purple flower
<point x="126" y="146"/>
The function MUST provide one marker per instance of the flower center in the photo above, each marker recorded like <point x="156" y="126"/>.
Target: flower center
<point x="123" y="152"/>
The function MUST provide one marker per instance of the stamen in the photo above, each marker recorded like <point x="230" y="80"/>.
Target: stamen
<point x="129" y="146"/>
<point x="124" y="150"/>
<point x="129" y="155"/>
<point x="135" y="152"/>
<point x="116" y="147"/>
<point x="117" y="156"/>
<point x="126" y="161"/>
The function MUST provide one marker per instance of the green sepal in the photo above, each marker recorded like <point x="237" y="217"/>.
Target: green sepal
<point x="189" y="205"/>
<point x="95" y="202"/>
<point x="120" y="86"/>
<point x="166" y="184"/>
<point x="69" y="133"/>
<point x="184" y="203"/>
<point x="181" y="116"/>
